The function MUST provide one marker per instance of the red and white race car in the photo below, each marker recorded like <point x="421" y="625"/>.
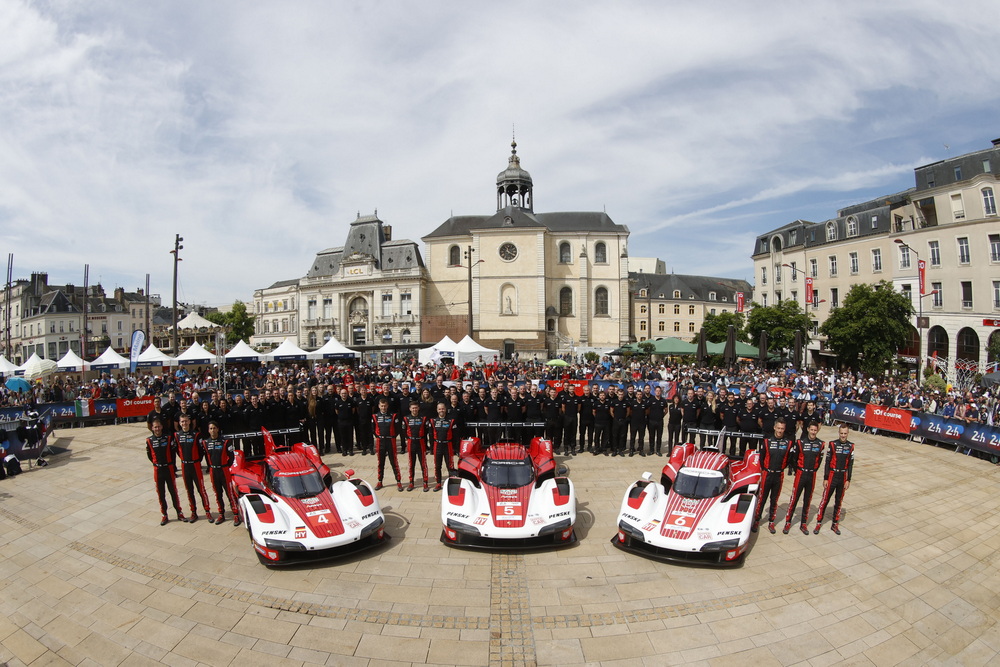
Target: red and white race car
<point x="296" y="513"/>
<point x="508" y="496"/>
<point x="701" y="511"/>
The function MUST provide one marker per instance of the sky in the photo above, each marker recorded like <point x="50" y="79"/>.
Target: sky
<point x="258" y="131"/>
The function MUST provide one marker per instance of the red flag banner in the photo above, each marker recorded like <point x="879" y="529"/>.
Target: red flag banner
<point x="887" y="419"/>
<point x="134" y="407"/>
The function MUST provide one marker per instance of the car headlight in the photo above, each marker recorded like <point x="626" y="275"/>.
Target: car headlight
<point x="725" y="545"/>
<point x="284" y="545"/>
<point x="556" y="527"/>
<point x="631" y="531"/>
<point x="462" y="528"/>
<point x="372" y="527"/>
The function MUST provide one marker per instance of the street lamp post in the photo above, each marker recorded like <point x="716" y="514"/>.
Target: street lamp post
<point x="920" y="304"/>
<point x="176" y="252"/>
<point x="468" y="259"/>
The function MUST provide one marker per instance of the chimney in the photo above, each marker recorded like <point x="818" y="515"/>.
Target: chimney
<point x="996" y="143"/>
<point x="120" y="294"/>
<point x="387" y="230"/>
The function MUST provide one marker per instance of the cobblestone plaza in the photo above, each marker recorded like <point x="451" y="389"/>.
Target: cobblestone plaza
<point x="90" y="577"/>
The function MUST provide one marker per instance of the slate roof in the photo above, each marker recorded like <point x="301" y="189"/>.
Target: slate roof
<point x="583" y="221"/>
<point x="697" y="287"/>
<point x="366" y="239"/>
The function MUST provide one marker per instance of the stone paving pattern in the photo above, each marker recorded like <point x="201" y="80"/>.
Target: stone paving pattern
<point x="88" y="576"/>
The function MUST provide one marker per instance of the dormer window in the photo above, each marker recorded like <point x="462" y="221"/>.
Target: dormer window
<point x="831" y="231"/>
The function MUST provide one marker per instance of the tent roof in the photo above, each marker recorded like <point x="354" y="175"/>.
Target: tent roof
<point x="7" y="367"/>
<point x="35" y="367"/>
<point x="109" y="360"/>
<point x="467" y="344"/>
<point x="242" y="352"/>
<point x="153" y="356"/>
<point x="333" y="349"/>
<point x="196" y="354"/>
<point x="287" y="350"/>
<point x="72" y="360"/>
<point x="445" y="344"/>
<point x="194" y="321"/>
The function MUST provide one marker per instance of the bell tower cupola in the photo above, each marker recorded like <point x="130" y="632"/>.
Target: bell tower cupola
<point x="514" y="187"/>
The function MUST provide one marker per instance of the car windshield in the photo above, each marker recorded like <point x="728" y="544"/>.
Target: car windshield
<point x="506" y="474"/>
<point x="304" y="484"/>
<point x="699" y="484"/>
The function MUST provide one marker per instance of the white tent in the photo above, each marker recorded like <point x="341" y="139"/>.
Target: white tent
<point x="7" y="367"/>
<point x="36" y="367"/>
<point x="334" y="349"/>
<point x="154" y="357"/>
<point x="242" y="352"/>
<point x="287" y="351"/>
<point x="195" y="355"/>
<point x="109" y="361"/>
<point x="195" y="321"/>
<point x="468" y="350"/>
<point x="443" y="348"/>
<point x="72" y="363"/>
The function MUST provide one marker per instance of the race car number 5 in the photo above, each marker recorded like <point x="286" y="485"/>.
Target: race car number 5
<point x="512" y="511"/>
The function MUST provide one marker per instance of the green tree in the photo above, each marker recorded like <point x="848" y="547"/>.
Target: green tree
<point x="238" y="321"/>
<point x="780" y="321"/>
<point x="646" y="347"/>
<point x="717" y="327"/>
<point x="870" y="327"/>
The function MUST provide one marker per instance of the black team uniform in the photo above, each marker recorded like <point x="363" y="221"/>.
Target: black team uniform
<point x="675" y="420"/>
<point x="553" y="420"/>
<point x="587" y="422"/>
<point x="747" y="421"/>
<point x="571" y="418"/>
<point x="637" y="425"/>
<point x="654" y="423"/>
<point x="690" y="410"/>
<point x="602" y="425"/>
<point x="346" y="421"/>
<point x="619" y="425"/>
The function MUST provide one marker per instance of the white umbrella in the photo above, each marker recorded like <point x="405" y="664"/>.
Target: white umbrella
<point x="36" y="367"/>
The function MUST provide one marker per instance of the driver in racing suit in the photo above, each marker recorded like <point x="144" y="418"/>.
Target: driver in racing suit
<point x="773" y="461"/>
<point x="384" y="431"/>
<point x="188" y="444"/>
<point x="839" y="465"/>
<point x="807" y="458"/>
<point x="219" y="454"/>
<point x="443" y="434"/>
<point x="160" y="451"/>
<point x="415" y="428"/>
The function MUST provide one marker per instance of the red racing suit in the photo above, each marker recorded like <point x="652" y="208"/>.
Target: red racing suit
<point x="219" y="454"/>
<point x="773" y="461"/>
<point x="807" y="460"/>
<point x="415" y="431"/>
<point x="160" y="452"/>
<point x="384" y="431"/>
<point x="443" y="432"/>
<point x="188" y="446"/>
<point x="839" y="466"/>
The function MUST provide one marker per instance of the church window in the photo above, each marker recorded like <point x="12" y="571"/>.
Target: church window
<point x="566" y="301"/>
<point x="565" y="254"/>
<point x="601" y="301"/>
<point x="601" y="253"/>
<point x="454" y="256"/>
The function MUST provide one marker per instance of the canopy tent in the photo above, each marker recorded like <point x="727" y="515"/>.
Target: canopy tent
<point x="443" y="348"/>
<point x="669" y="345"/>
<point x="195" y="355"/>
<point x="334" y="349"/>
<point x="742" y="349"/>
<point x="7" y="367"/>
<point x="36" y="367"/>
<point x="153" y="357"/>
<point x="242" y="353"/>
<point x="287" y="351"/>
<point x="467" y="350"/>
<point x="109" y="361"/>
<point x="72" y="363"/>
<point x="195" y="321"/>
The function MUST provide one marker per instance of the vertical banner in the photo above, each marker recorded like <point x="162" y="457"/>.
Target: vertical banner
<point x="921" y="274"/>
<point x="739" y="302"/>
<point x="138" y="338"/>
<point x="810" y="296"/>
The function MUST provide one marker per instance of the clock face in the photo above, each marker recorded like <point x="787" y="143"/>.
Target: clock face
<point x="508" y="251"/>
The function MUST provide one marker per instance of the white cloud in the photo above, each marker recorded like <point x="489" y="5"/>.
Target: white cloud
<point x="258" y="131"/>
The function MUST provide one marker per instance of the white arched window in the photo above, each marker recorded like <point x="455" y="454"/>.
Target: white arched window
<point x="989" y="203"/>
<point x="601" y="301"/>
<point x="600" y="253"/>
<point x="852" y="227"/>
<point x="454" y="256"/>
<point x="831" y="231"/>
<point x="565" y="254"/>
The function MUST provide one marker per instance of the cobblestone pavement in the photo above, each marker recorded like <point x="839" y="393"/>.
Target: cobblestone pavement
<point x="88" y="576"/>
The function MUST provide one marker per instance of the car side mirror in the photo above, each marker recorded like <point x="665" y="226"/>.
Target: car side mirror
<point x="562" y="471"/>
<point x="647" y="476"/>
<point x="349" y="473"/>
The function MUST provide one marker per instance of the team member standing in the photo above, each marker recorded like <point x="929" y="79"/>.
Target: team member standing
<point x="729" y="418"/>
<point x="415" y="428"/>
<point x="602" y="424"/>
<point x="675" y="421"/>
<point x="839" y="466"/>
<point x="552" y="406"/>
<point x="690" y="411"/>
<point x="160" y="451"/>
<point x="188" y="444"/>
<point x="384" y="430"/>
<point x="587" y="418"/>
<point x="773" y="461"/>
<point x="443" y="434"/>
<point x="708" y="419"/>
<point x="219" y="454"/>
<point x="748" y="424"/>
<point x="619" y="422"/>
<point x="364" y="406"/>
<point x="571" y="418"/>
<point x="654" y="420"/>
<point x="808" y="456"/>
<point x="346" y="420"/>
<point x="637" y="424"/>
